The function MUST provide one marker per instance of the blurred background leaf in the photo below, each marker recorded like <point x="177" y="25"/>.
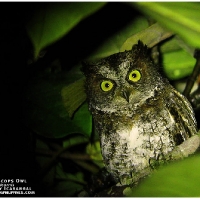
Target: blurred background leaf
<point x="44" y="110"/>
<point x="53" y="21"/>
<point x="94" y="150"/>
<point x="73" y="95"/>
<point x="150" y="36"/>
<point x="180" y="17"/>
<point x="178" y="64"/>
<point x="113" y="43"/>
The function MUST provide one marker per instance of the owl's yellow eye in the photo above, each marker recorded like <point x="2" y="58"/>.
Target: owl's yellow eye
<point x="106" y="86"/>
<point x="134" y="76"/>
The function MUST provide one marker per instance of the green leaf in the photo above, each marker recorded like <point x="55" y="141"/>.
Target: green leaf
<point x="45" y="113"/>
<point x="66" y="184"/>
<point x="175" y="44"/>
<point x="149" y="36"/>
<point x="178" y="179"/>
<point x="177" y="57"/>
<point x="54" y="20"/>
<point x="180" y="17"/>
<point x="74" y="140"/>
<point x="73" y="96"/>
<point x="65" y="189"/>
<point x="94" y="150"/>
<point x="42" y="160"/>
<point x="178" y="64"/>
<point x="113" y="44"/>
<point x="83" y="119"/>
<point x="46" y="123"/>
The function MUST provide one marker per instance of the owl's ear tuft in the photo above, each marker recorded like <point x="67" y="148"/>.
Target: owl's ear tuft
<point x="140" y="50"/>
<point x="142" y="47"/>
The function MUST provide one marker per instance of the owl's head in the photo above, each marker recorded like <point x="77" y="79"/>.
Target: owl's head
<point x="122" y="81"/>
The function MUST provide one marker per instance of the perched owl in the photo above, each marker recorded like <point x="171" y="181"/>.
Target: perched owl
<point x="138" y="115"/>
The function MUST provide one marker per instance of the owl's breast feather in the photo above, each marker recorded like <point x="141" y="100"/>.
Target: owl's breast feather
<point x="128" y="150"/>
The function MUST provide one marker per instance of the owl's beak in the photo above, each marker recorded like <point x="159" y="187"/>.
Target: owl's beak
<point x="126" y="95"/>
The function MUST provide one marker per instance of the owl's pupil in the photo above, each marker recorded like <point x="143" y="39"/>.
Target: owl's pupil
<point x="134" y="75"/>
<point x="107" y="85"/>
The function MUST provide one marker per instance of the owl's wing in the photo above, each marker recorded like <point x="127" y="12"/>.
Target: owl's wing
<point x="183" y="115"/>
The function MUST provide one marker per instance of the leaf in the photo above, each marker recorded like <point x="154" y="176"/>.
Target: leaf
<point x="113" y="44"/>
<point x="54" y="20"/>
<point x="178" y="179"/>
<point x="83" y="119"/>
<point x="65" y="189"/>
<point x="176" y="44"/>
<point x="66" y="184"/>
<point x="74" y="140"/>
<point x="178" y="64"/>
<point x="45" y="113"/>
<point x="177" y="58"/>
<point x="73" y="96"/>
<point x="149" y="36"/>
<point x="94" y="150"/>
<point x="48" y="124"/>
<point x="181" y="18"/>
<point x="41" y="160"/>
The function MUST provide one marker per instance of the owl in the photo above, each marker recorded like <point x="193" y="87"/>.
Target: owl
<point x="139" y="116"/>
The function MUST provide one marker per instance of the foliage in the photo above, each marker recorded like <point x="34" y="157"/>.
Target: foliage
<point x="54" y="21"/>
<point x="55" y="107"/>
<point x="179" y="179"/>
<point x="182" y="18"/>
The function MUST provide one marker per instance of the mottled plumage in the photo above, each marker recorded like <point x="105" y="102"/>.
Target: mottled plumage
<point x="139" y="116"/>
